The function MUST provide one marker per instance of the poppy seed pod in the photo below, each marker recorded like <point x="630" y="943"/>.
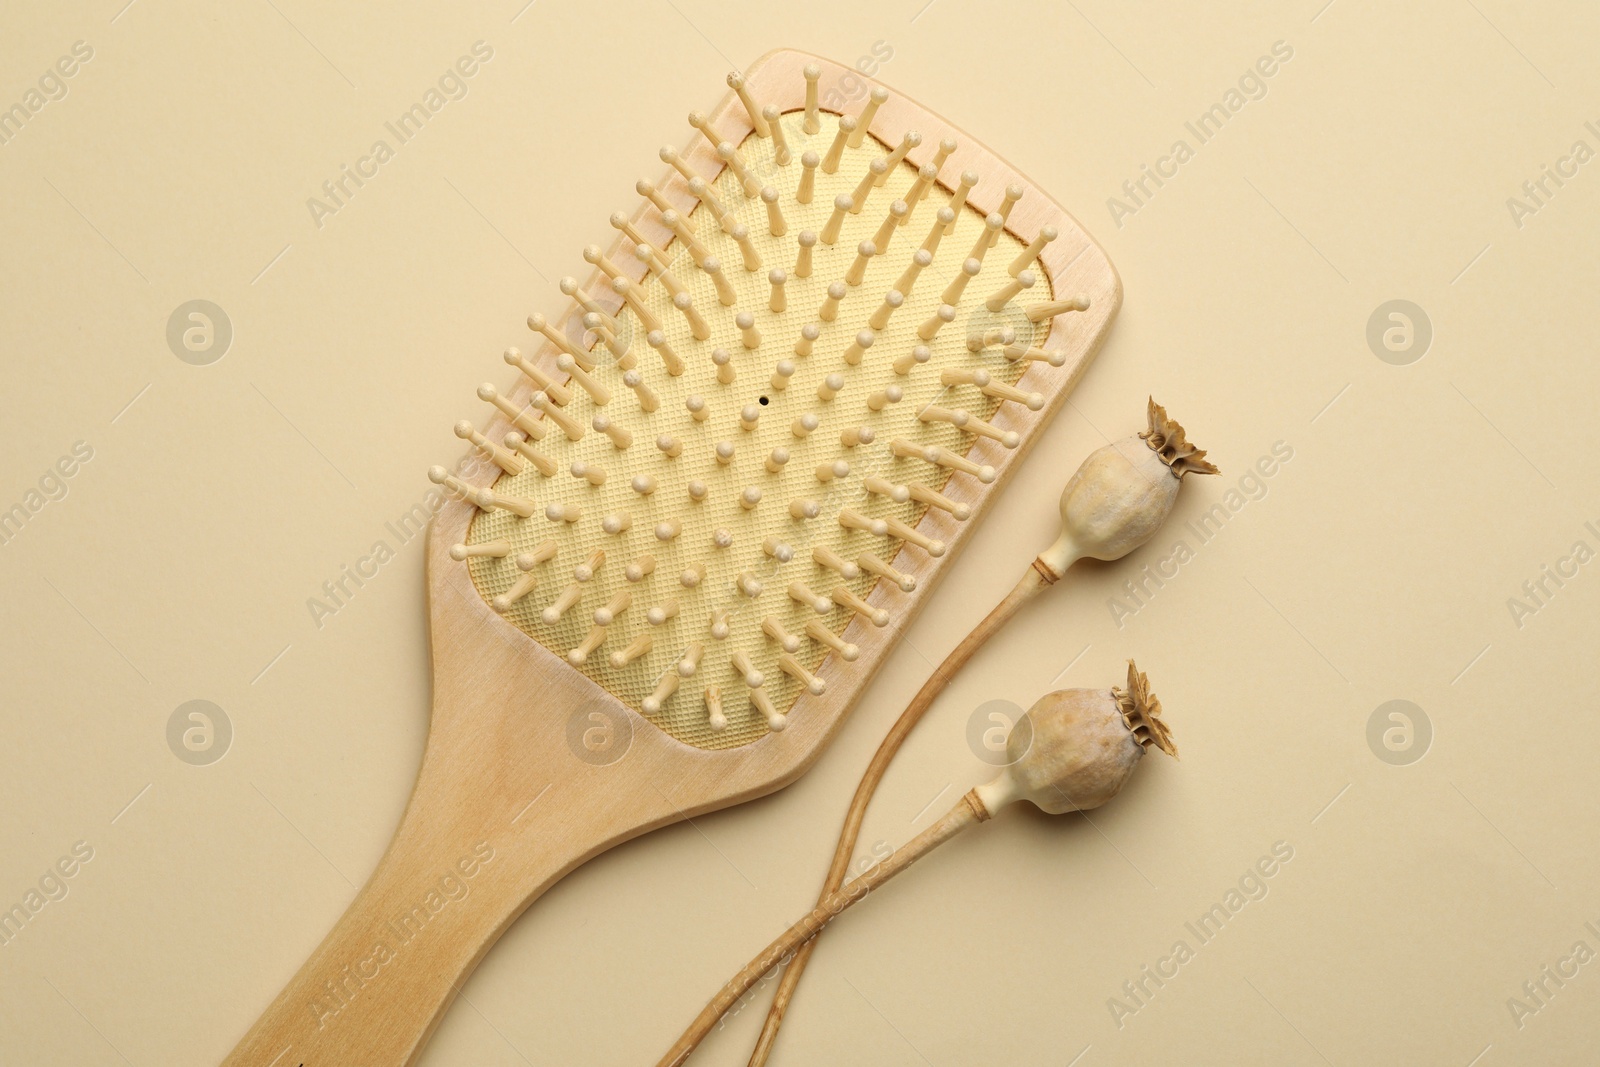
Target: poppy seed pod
<point x="1076" y="748"/>
<point x="1122" y="493"/>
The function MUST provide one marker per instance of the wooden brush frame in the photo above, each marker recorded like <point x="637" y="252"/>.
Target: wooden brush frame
<point x="503" y="790"/>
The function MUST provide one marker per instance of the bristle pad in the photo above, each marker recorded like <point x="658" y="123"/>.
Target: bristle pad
<point x="725" y="512"/>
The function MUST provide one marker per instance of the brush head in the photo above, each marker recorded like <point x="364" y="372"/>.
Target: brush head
<point x="719" y="470"/>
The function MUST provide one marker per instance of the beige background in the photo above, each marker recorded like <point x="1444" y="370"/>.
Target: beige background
<point x="1377" y="566"/>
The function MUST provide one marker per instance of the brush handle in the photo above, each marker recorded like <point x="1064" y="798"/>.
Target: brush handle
<point x="504" y="806"/>
<point x="445" y="890"/>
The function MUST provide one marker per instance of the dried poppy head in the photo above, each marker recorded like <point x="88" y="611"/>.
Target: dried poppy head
<point x="1076" y="748"/>
<point x="1123" y="493"/>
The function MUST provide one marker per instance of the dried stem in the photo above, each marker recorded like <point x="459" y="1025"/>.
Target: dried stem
<point x="1035" y="580"/>
<point x="969" y="811"/>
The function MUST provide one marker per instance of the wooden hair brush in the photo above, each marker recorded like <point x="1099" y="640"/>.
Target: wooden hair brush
<point x="726" y="478"/>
